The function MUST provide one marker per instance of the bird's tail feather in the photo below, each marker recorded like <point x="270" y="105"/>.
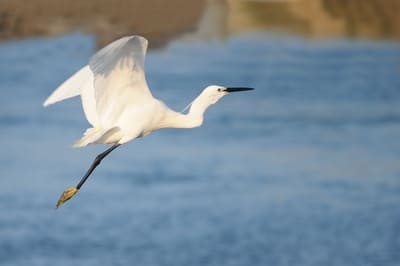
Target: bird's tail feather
<point x="98" y="135"/>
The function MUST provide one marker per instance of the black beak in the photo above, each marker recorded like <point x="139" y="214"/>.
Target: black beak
<point x="236" y="89"/>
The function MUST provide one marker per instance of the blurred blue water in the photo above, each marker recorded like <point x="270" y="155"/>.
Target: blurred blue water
<point x="303" y="171"/>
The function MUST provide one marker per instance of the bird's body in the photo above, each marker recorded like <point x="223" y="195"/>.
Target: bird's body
<point x="118" y="103"/>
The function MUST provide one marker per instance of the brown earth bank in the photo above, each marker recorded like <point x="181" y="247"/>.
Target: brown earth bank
<point x="161" y="20"/>
<point x="155" y="19"/>
<point x="377" y="18"/>
<point x="372" y="19"/>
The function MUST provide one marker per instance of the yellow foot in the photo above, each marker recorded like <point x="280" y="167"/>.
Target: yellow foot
<point x="66" y="195"/>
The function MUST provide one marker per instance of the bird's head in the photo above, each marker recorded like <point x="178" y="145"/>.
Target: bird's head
<point x="207" y="97"/>
<point x="213" y="93"/>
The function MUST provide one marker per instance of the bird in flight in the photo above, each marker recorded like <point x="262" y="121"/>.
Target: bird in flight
<point x="118" y="103"/>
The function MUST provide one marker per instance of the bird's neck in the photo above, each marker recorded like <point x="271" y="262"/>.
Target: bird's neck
<point x="194" y="118"/>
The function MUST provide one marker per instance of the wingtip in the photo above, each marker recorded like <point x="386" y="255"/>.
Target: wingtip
<point x="48" y="101"/>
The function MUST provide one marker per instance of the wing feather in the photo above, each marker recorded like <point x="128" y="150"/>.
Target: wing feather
<point x="71" y="87"/>
<point x="113" y="80"/>
<point x="89" y="101"/>
<point x="119" y="78"/>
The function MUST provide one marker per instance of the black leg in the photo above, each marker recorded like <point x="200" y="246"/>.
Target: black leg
<point x="95" y="163"/>
<point x="70" y="192"/>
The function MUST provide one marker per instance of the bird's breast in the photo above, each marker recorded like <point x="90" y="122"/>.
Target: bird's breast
<point x="140" y="120"/>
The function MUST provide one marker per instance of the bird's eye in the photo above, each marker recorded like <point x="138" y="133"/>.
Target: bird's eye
<point x="219" y="89"/>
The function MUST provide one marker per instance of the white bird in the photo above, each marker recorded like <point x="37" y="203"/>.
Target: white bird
<point x="118" y="103"/>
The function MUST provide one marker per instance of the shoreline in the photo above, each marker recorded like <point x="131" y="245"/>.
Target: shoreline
<point x="161" y="21"/>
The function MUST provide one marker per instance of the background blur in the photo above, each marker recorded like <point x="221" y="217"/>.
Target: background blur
<point x="305" y="170"/>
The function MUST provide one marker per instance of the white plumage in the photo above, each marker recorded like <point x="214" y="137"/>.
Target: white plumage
<point x="118" y="103"/>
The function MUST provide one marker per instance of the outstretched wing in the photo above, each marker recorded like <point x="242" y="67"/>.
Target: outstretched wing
<point x="71" y="87"/>
<point x="113" y="79"/>
<point x="119" y="78"/>
<point x="81" y="83"/>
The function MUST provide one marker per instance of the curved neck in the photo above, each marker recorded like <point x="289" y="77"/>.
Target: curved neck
<point x="194" y="118"/>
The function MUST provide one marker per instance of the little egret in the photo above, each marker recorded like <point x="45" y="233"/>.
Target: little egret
<point x="118" y="103"/>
